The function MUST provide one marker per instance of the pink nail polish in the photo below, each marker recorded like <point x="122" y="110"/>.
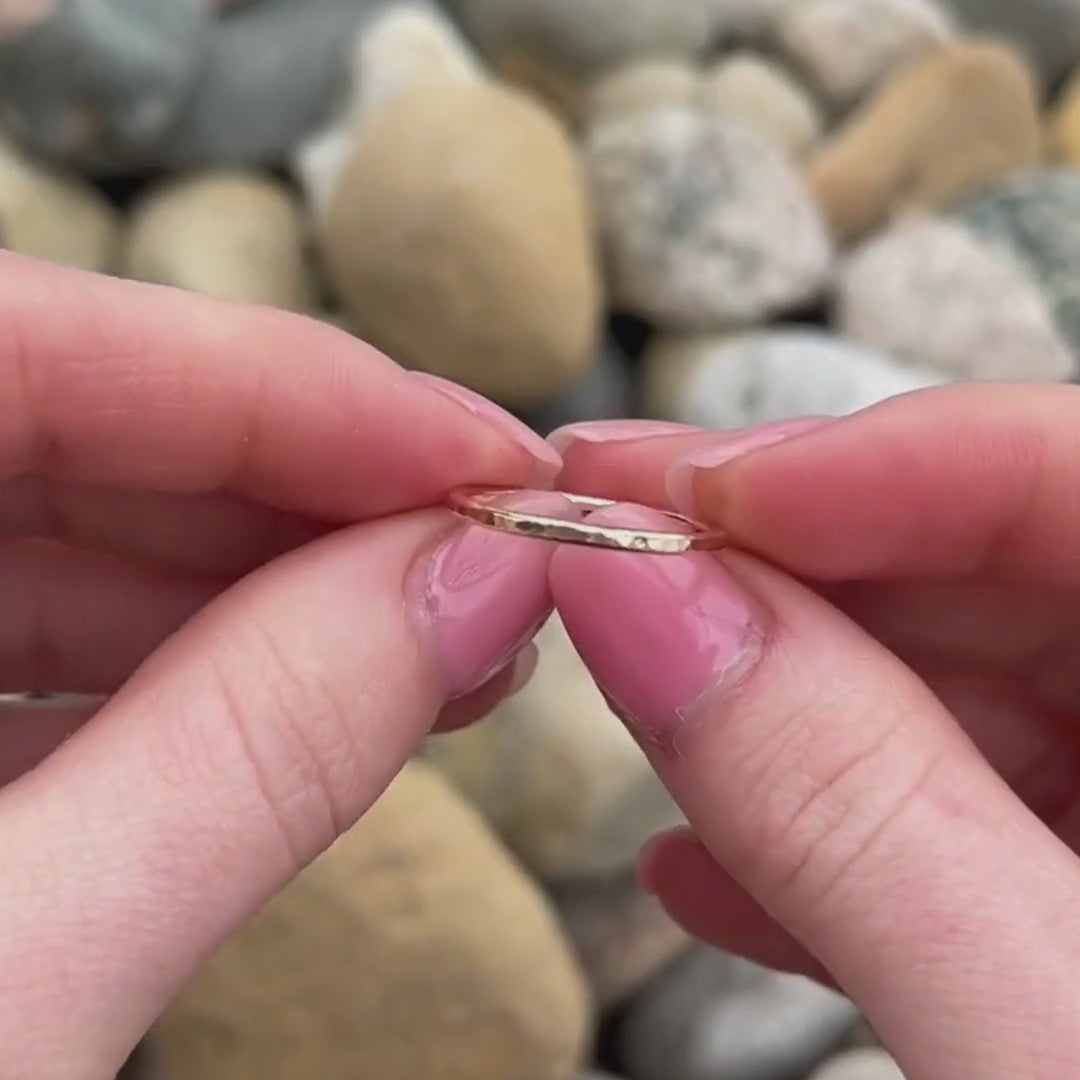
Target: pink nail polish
<point x="482" y="595"/>
<point x="603" y="431"/>
<point x="728" y="446"/>
<point x="548" y="461"/>
<point x="662" y="635"/>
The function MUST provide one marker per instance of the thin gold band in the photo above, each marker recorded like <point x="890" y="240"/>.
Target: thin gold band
<point x="476" y="504"/>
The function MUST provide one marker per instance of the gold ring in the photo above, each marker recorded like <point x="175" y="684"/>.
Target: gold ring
<point x="477" y="504"/>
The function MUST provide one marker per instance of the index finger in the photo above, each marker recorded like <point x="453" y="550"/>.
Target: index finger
<point x="128" y="385"/>
<point x="957" y="480"/>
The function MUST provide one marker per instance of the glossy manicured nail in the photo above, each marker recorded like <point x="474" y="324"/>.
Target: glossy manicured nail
<point x="661" y="634"/>
<point x="728" y="446"/>
<point x="548" y="461"/>
<point x="480" y="597"/>
<point x="605" y="431"/>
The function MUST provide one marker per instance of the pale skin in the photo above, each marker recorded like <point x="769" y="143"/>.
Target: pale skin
<point x="227" y="521"/>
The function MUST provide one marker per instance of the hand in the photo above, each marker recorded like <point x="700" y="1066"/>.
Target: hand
<point x="869" y="708"/>
<point x="215" y="515"/>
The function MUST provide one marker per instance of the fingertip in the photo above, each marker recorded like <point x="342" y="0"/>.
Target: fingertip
<point x="655" y="856"/>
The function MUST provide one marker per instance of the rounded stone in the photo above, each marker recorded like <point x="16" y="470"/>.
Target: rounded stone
<point x="557" y="774"/>
<point x="765" y="97"/>
<point x="639" y="87"/>
<point x="846" y="47"/>
<point x="235" y="235"/>
<point x="705" y="223"/>
<point x="459" y="239"/>
<point x="584" y="38"/>
<point x="932" y="291"/>
<point x="401" y="48"/>
<point x="941" y="129"/>
<point x="54" y="216"/>
<point x="863" y="1064"/>
<point x="1036" y="216"/>
<point x="413" y="948"/>
<point x="1063" y="130"/>
<point x="100" y="83"/>
<point x="717" y="1017"/>
<point x="622" y="935"/>
<point x="243" y="111"/>
<point x="1047" y="30"/>
<point x="720" y="382"/>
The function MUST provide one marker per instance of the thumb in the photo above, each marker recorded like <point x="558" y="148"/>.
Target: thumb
<point x="833" y="787"/>
<point x="233" y="757"/>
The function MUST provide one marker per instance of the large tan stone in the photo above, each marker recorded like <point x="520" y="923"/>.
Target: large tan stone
<point x="458" y="237"/>
<point x="414" y="948"/>
<point x="941" y="128"/>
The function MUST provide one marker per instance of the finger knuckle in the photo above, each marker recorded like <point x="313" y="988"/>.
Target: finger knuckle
<point x="820" y="794"/>
<point x="294" y="741"/>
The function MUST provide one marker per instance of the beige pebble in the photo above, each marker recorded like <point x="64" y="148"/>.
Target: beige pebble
<point x="55" y="216"/>
<point x="641" y="86"/>
<point x="863" y="1064"/>
<point x="414" y="947"/>
<point x="231" y="234"/>
<point x="764" y="96"/>
<point x="941" y="128"/>
<point x="459" y="240"/>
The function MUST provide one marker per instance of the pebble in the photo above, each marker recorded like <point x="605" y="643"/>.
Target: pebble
<point x="605" y="392"/>
<point x="406" y="46"/>
<point x="622" y="935"/>
<point x="193" y="88"/>
<point x="1048" y="30"/>
<point x="932" y="291"/>
<point x="562" y="95"/>
<point x="459" y="240"/>
<point x="243" y="111"/>
<point x="941" y="129"/>
<point x="51" y="215"/>
<point x="743" y="87"/>
<point x="584" y="38"/>
<point x="641" y="87"/>
<point x="230" y="234"/>
<point x="717" y="1017"/>
<point x="863" y="1064"/>
<point x="846" y="47"/>
<point x="705" y="223"/>
<point x="764" y="96"/>
<point x="557" y="775"/>
<point x="1063" y="130"/>
<point x="720" y="382"/>
<point x="414" y="947"/>
<point x="1036" y="216"/>
<point x="100" y="85"/>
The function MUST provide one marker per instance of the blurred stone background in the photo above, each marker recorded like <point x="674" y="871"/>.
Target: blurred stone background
<point x="715" y="211"/>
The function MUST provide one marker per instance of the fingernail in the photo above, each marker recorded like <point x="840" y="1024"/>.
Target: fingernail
<point x="548" y="461"/>
<point x="728" y="446"/>
<point x="603" y="431"/>
<point x="482" y="595"/>
<point x="661" y="634"/>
